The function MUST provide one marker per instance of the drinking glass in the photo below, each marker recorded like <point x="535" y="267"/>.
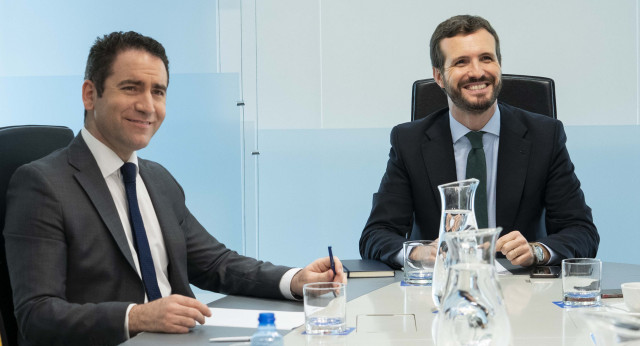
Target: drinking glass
<point x="581" y="281"/>
<point x="419" y="258"/>
<point x="325" y="307"/>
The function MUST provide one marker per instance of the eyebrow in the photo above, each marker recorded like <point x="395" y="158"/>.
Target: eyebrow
<point x="138" y="83"/>
<point x="493" y="55"/>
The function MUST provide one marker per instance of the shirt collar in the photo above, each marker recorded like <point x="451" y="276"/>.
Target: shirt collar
<point x="108" y="161"/>
<point x="458" y="130"/>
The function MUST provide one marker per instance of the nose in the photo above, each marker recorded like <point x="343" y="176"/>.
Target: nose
<point x="144" y="103"/>
<point x="475" y="69"/>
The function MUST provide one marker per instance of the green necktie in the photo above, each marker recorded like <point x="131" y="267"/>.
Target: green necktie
<point x="477" y="168"/>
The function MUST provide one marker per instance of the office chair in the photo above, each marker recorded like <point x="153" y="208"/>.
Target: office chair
<point x="535" y="94"/>
<point x="20" y="145"/>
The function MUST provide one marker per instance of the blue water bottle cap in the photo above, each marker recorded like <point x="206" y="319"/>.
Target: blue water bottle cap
<point x="266" y="318"/>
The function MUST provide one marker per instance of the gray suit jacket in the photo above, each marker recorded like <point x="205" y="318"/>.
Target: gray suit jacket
<point x="71" y="269"/>
<point x="537" y="190"/>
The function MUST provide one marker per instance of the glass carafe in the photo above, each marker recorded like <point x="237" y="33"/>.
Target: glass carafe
<point x="472" y="311"/>
<point x="457" y="200"/>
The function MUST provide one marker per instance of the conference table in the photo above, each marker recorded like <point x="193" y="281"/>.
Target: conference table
<point x="384" y="312"/>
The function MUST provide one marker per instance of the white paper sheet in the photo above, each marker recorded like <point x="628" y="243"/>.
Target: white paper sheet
<point x="285" y="320"/>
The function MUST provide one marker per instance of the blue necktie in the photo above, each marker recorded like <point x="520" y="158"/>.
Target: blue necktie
<point x="140" y="241"/>
<point x="477" y="168"/>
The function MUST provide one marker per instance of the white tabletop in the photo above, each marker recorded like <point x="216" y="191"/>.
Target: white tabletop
<point x="534" y="319"/>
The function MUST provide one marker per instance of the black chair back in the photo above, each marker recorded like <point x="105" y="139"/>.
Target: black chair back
<point x="20" y="145"/>
<point x="535" y="94"/>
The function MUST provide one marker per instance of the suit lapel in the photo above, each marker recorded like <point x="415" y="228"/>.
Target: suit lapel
<point x="91" y="180"/>
<point x="437" y="153"/>
<point x="513" y="161"/>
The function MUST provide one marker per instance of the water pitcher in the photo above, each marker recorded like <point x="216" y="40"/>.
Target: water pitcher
<point x="472" y="311"/>
<point x="457" y="200"/>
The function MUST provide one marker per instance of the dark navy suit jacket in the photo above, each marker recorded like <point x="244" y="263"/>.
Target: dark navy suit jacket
<point x="537" y="191"/>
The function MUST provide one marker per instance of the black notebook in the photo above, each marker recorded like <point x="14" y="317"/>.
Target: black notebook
<point x="366" y="269"/>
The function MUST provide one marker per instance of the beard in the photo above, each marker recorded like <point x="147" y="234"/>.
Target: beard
<point x="473" y="106"/>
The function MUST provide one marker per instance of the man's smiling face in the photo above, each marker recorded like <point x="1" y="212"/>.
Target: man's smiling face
<point x="132" y="106"/>
<point x="472" y="77"/>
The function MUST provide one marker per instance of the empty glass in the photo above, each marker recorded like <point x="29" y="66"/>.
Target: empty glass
<point x="419" y="259"/>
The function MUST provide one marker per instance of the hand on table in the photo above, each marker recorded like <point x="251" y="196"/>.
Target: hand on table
<point x="318" y="271"/>
<point x="172" y="314"/>
<point x="516" y="248"/>
<point x="425" y="253"/>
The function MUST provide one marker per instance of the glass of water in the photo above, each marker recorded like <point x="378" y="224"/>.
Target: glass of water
<point x="419" y="259"/>
<point x="581" y="279"/>
<point x="325" y="307"/>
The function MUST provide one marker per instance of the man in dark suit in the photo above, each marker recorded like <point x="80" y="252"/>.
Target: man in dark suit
<point x="100" y="244"/>
<point x="530" y="186"/>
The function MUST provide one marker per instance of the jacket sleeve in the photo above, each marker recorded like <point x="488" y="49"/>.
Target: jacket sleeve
<point x="210" y="264"/>
<point x="570" y="228"/>
<point x="391" y="215"/>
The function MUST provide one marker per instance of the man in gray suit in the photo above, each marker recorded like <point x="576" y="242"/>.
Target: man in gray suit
<point x="89" y="263"/>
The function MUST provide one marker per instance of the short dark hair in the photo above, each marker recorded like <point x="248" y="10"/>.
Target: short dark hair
<point x="104" y="51"/>
<point x="463" y="24"/>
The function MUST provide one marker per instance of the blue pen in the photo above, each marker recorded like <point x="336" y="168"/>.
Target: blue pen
<point x="333" y="265"/>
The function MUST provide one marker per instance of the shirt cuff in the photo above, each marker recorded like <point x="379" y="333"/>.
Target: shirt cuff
<point x="285" y="283"/>
<point x="126" y="321"/>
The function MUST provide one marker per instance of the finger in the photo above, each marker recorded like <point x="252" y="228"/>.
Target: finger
<point x="507" y="248"/>
<point x="519" y="254"/>
<point x="525" y="259"/>
<point x="515" y="240"/>
<point x="193" y="303"/>
<point x="514" y="252"/>
<point x="338" y="265"/>
<point x="340" y="276"/>
<point x="501" y="241"/>
<point x="183" y="323"/>
<point x="506" y="238"/>
<point x="182" y="312"/>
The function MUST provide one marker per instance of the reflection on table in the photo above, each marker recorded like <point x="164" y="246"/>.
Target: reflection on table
<point x="386" y="313"/>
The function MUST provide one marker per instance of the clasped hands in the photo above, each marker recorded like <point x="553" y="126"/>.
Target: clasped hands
<point x="177" y="313"/>
<point x="513" y="245"/>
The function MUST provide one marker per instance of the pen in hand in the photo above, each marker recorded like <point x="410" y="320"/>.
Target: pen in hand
<point x="333" y="264"/>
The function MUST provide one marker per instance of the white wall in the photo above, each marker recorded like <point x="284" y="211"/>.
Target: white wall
<point x="332" y="77"/>
<point x="350" y="64"/>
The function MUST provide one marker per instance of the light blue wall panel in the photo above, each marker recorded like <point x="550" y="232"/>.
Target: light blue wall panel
<point x="45" y="38"/>
<point x="608" y="163"/>
<point x="49" y="100"/>
<point x="199" y="143"/>
<point x="43" y="51"/>
<point x="316" y="188"/>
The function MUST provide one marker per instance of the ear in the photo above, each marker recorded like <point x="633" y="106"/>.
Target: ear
<point x="438" y="77"/>
<point x="89" y="94"/>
